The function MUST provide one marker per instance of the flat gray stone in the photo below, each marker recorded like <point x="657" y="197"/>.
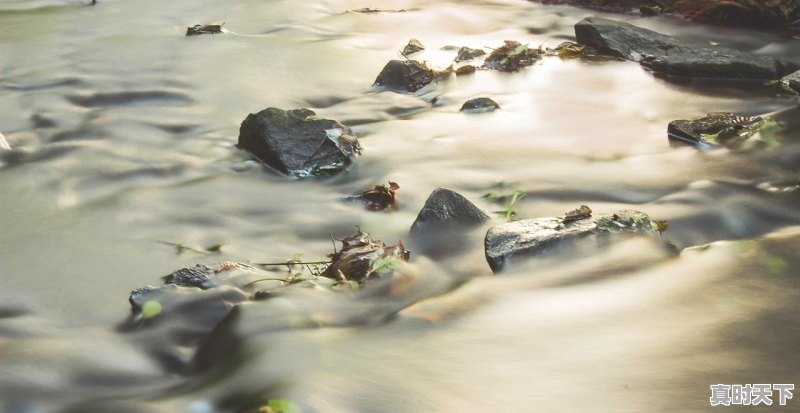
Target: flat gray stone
<point x="521" y="240"/>
<point x="671" y="56"/>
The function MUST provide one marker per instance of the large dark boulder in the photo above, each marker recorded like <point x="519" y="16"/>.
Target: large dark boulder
<point x="405" y="76"/>
<point x="297" y="144"/>
<point x="670" y="56"/>
<point x="521" y="240"/>
<point x="773" y="14"/>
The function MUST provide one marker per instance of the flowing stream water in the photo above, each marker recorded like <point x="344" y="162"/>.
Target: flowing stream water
<point x="123" y="134"/>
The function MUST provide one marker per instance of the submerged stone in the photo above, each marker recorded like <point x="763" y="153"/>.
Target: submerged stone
<point x="465" y="70"/>
<point x="521" y="240"/>
<point x="674" y="57"/>
<point x="297" y="144"/>
<point x="772" y="14"/>
<point x="199" y="29"/>
<point x="467" y="53"/>
<point x="716" y="129"/>
<point x="191" y="277"/>
<point x="479" y="105"/>
<point x="405" y="75"/>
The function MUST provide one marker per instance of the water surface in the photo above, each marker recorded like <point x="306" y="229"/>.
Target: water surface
<point x="124" y="132"/>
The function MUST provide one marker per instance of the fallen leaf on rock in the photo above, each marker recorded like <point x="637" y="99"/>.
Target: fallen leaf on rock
<point x="362" y="258"/>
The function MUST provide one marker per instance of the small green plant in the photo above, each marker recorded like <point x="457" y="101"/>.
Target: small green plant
<point x="511" y="200"/>
<point x="279" y="406"/>
<point x="385" y="265"/>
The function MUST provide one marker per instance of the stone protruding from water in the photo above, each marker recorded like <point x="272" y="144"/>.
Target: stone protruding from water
<point x="674" y="57"/>
<point x="520" y="240"/>
<point x="297" y="144"/>
<point x="791" y="83"/>
<point x="413" y="46"/>
<point x="404" y="76"/>
<point x="468" y="53"/>
<point x="446" y="209"/>
<point x="479" y="105"/>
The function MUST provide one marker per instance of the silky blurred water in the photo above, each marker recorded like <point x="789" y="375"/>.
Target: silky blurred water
<point x="123" y="134"/>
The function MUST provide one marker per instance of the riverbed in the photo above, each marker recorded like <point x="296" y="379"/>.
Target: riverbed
<point x="123" y="134"/>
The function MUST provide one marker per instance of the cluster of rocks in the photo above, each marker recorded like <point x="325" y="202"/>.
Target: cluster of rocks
<point x="440" y="225"/>
<point x="298" y="144"/>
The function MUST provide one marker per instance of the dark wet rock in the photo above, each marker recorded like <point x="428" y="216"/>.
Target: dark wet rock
<point x="773" y="14"/>
<point x="467" y="53"/>
<point x="519" y="240"/>
<point x="446" y="209"/>
<point x="670" y="56"/>
<point x="616" y="6"/>
<point x="363" y="258"/>
<point x="791" y="83"/>
<point x="412" y="47"/>
<point x="716" y="129"/>
<point x="297" y="144"/>
<point x="512" y="56"/>
<point x="191" y="277"/>
<point x="199" y="29"/>
<point x="479" y="105"/>
<point x="405" y="75"/>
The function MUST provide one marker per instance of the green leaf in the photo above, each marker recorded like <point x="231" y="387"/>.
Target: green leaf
<point x="519" y="50"/>
<point x="283" y="406"/>
<point x="774" y="264"/>
<point x="151" y="309"/>
<point x="711" y="137"/>
<point x="769" y="132"/>
<point x="386" y="264"/>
